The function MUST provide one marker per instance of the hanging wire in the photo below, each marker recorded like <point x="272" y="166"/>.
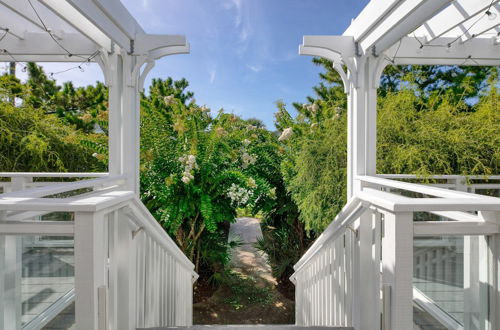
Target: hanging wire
<point x="23" y="66"/>
<point x="448" y="45"/>
<point x="5" y="34"/>
<point x="79" y="66"/>
<point x="469" y="58"/>
<point x="393" y="59"/>
<point x="50" y="33"/>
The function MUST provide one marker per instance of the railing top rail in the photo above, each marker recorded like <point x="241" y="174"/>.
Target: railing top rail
<point x="439" y="176"/>
<point x="60" y="188"/>
<point x="97" y="202"/>
<point x="346" y="217"/>
<point x="420" y="188"/>
<point x="397" y="203"/>
<point x="72" y="204"/>
<point x="53" y="174"/>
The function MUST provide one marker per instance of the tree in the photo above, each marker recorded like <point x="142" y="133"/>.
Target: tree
<point x="196" y="170"/>
<point x="426" y="123"/>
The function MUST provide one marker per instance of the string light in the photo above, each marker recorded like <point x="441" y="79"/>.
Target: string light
<point x="488" y="13"/>
<point x="5" y="34"/>
<point x="51" y="34"/>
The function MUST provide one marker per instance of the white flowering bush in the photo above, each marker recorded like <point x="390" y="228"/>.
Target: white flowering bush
<point x="197" y="170"/>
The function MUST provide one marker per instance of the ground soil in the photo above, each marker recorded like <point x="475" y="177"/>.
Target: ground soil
<point x="250" y="295"/>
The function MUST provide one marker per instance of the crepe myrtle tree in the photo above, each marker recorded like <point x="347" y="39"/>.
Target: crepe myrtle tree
<point x="196" y="170"/>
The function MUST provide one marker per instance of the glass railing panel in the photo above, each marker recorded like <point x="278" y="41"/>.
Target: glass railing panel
<point x="37" y="281"/>
<point x="451" y="282"/>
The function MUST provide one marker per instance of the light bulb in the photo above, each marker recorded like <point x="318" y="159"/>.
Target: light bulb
<point x="491" y="16"/>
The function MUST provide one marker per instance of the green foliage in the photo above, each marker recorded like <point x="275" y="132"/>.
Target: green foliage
<point x="428" y="123"/>
<point x="197" y="170"/>
<point x="31" y="140"/>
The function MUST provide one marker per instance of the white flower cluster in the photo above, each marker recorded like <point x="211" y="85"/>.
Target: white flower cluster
<point x="169" y="99"/>
<point x="251" y="183"/>
<point x="204" y="109"/>
<point x="287" y="132"/>
<point x="248" y="159"/>
<point x="189" y="163"/>
<point x="239" y="195"/>
<point x="251" y="127"/>
<point x="246" y="142"/>
<point x="313" y="108"/>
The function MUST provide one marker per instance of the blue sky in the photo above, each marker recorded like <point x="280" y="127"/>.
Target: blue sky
<point x="244" y="53"/>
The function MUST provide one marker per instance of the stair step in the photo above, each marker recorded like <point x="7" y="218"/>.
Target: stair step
<point x="252" y="326"/>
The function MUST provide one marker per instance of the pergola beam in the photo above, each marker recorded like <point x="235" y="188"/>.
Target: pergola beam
<point x="103" y="36"/>
<point x="459" y="12"/>
<point x="78" y="44"/>
<point x="402" y="21"/>
<point x="391" y="22"/>
<point x="108" y="17"/>
<point x="477" y="51"/>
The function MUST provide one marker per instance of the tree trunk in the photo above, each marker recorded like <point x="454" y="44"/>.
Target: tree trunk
<point x="12" y="72"/>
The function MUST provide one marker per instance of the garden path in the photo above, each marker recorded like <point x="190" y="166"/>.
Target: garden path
<point x="249" y="294"/>
<point x="246" y="259"/>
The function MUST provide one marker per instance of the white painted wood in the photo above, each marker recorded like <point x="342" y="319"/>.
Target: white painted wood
<point x="369" y="301"/>
<point x="393" y="202"/>
<point x="494" y="280"/>
<point x="46" y="46"/>
<point x="60" y="188"/>
<point x="369" y="17"/>
<point x="429" y="228"/>
<point x="409" y="51"/>
<point x="53" y="174"/>
<point x="89" y="268"/>
<point x="401" y="21"/>
<point x="424" y="189"/>
<point x="10" y="267"/>
<point x="397" y="251"/>
<point x="52" y="228"/>
<point x="92" y="21"/>
<point x="451" y="17"/>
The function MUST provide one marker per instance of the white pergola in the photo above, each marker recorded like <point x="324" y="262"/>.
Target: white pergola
<point x="401" y="32"/>
<point x="128" y="273"/>
<point x="101" y="31"/>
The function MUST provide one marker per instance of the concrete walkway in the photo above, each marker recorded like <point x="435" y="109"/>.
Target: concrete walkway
<point x="246" y="259"/>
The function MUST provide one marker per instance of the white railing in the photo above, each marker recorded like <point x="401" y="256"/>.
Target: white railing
<point x="128" y="273"/>
<point x="366" y="282"/>
<point x="24" y="180"/>
<point x="323" y="276"/>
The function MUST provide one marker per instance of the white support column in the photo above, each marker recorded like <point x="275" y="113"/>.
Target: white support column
<point x="362" y="119"/>
<point x="90" y="268"/>
<point x="397" y="261"/>
<point x="113" y="71"/>
<point x="130" y="133"/>
<point x="122" y="73"/>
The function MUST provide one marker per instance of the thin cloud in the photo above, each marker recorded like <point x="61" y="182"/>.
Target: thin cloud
<point x="255" y="68"/>
<point x="212" y="76"/>
<point x="145" y="4"/>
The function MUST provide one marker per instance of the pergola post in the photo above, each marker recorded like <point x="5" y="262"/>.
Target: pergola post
<point x="362" y="119"/>
<point x="124" y="75"/>
<point x="122" y="78"/>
